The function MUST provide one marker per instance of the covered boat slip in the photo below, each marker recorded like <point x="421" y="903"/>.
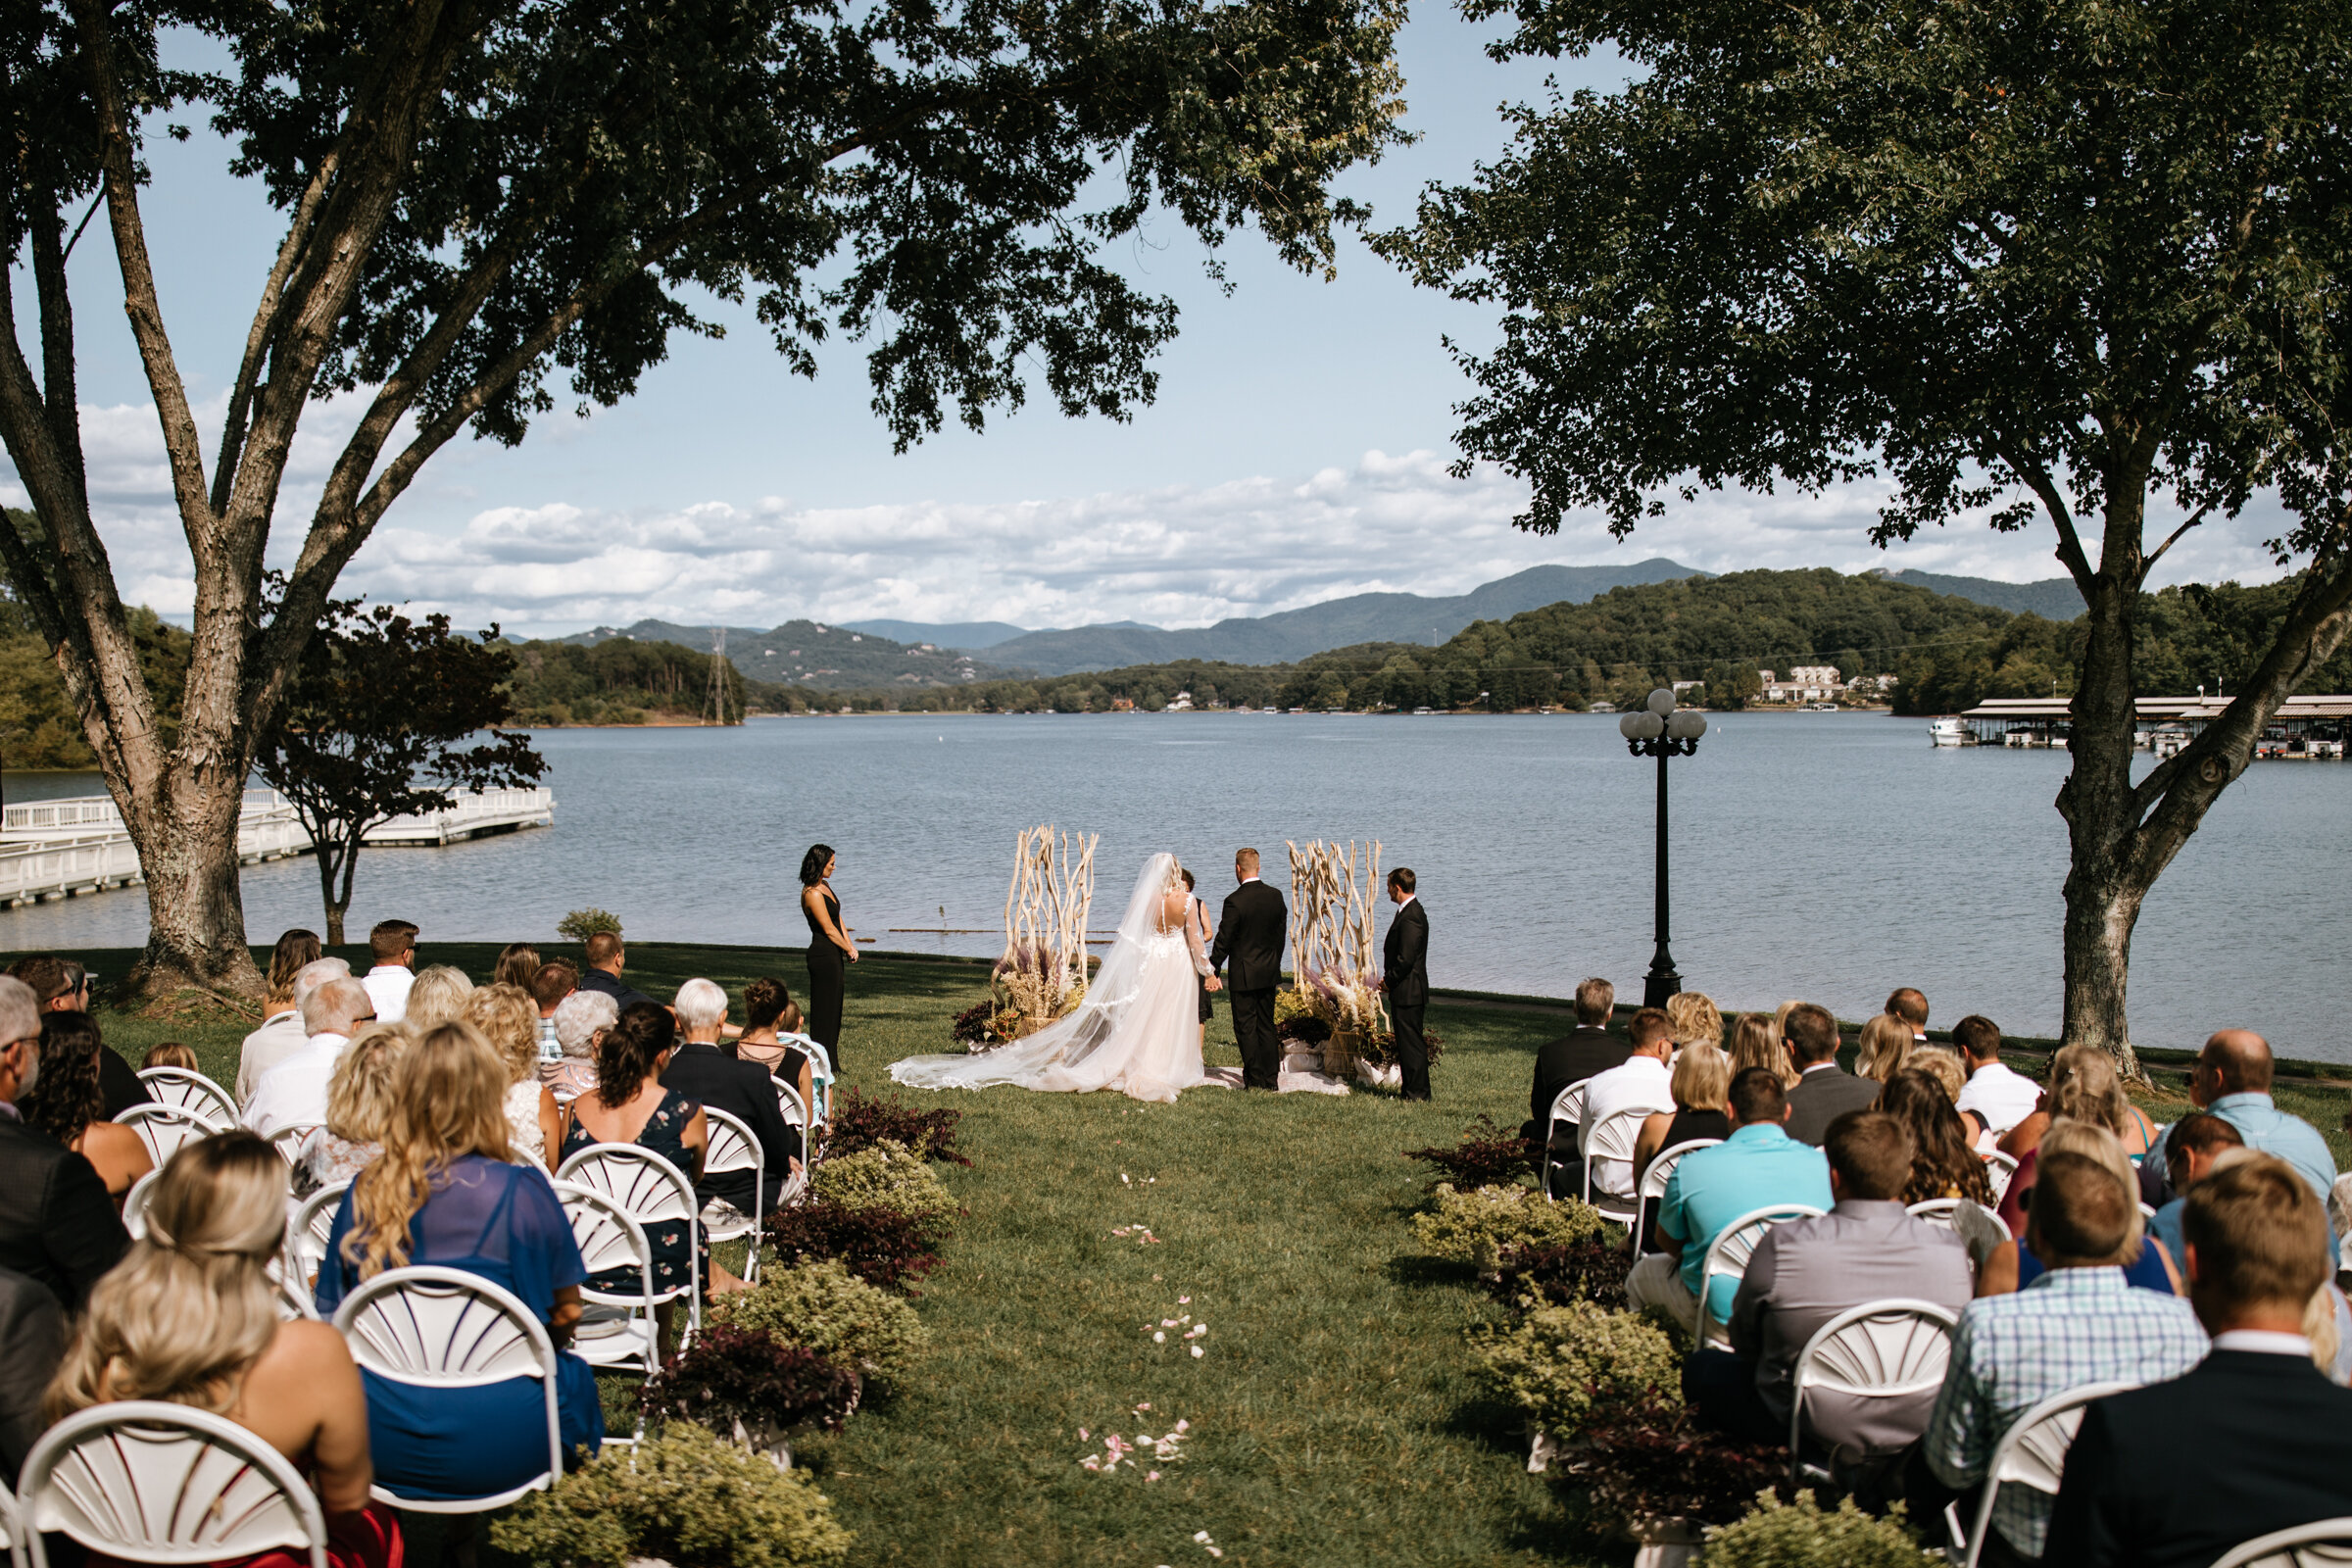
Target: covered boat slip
<point x="2304" y="727"/>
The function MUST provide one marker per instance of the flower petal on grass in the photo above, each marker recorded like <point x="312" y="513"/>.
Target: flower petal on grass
<point x="1196" y="1352"/>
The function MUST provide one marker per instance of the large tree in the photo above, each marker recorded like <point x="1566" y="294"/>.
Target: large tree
<point x="486" y="198"/>
<point x="2032" y="263"/>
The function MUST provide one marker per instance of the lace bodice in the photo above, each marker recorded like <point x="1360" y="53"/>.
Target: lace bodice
<point x="1178" y="906"/>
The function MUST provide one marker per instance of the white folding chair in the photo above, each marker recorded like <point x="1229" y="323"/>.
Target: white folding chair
<point x="150" y="1482"/>
<point x="295" y="1303"/>
<point x="309" y="1228"/>
<point x="1888" y="1350"/>
<point x="165" y="1128"/>
<point x="2031" y="1453"/>
<point x="1654" y="1180"/>
<point x="134" y="1204"/>
<point x="1613" y="1138"/>
<point x="796" y="1114"/>
<point x="1568" y="1105"/>
<point x="820" y="1074"/>
<point x="733" y="1148"/>
<point x="433" y="1327"/>
<point x="289" y="1139"/>
<point x="617" y="1331"/>
<point x="2321" y="1542"/>
<point x="1941" y="1211"/>
<point x="1727" y="1258"/>
<point x="1998" y="1169"/>
<point x="654" y="1192"/>
<point x="11" y="1529"/>
<point x="193" y="1090"/>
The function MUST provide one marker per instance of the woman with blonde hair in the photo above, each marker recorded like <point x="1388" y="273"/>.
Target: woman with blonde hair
<point x="445" y="1191"/>
<point x="437" y="996"/>
<point x="2083" y="1085"/>
<point x="1756" y="1043"/>
<point x="1886" y="1041"/>
<point x="1701" y="1081"/>
<point x="508" y="1018"/>
<point x="1696" y="1019"/>
<point x="517" y="965"/>
<point x="2013" y="1266"/>
<point x="358" y="1106"/>
<point x="191" y="1317"/>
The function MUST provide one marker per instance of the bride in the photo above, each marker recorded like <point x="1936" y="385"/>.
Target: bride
<point x="1137" y="1030"/>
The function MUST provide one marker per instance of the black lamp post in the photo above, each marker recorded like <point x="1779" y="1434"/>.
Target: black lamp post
<point x="1658" y="730"/>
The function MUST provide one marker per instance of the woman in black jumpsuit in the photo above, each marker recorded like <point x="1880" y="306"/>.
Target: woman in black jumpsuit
<point x="829" y="950"/>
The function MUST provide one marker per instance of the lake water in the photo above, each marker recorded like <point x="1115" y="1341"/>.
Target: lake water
<point x="1830" y="856"/>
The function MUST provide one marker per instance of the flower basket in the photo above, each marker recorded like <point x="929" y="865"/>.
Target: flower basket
<point x="1342" y="1050"/>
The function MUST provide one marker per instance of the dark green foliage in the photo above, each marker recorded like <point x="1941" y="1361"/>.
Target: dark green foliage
<point x="1657" y="1462"/>
<point x="730" y="1375"/>
<point x="1590" y="1270"/>
<point x="880" y="1246"/>
<point x="1488" y="1154"/>
<point x="618" y="681"/>
<point x="862" y="1121"/>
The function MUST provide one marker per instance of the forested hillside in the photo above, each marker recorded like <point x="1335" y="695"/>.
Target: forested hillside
<point x="618" y="682"/>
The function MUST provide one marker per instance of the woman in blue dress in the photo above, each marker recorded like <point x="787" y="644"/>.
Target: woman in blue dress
<point x="630" y="1104"/>
<point x="443" y="1192"/>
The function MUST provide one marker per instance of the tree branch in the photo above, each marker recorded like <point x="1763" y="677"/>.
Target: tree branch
<point x="263" y="331"/>
<point x="2149" y="563"/>
<point x="2069" y="543"/>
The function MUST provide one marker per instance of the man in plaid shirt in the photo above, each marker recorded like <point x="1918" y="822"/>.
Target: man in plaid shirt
<point x="2075" y="1325"/>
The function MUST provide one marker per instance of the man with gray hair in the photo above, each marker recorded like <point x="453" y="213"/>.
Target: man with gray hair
<point x="293" y="1093"/>
<point x="57" y="1224"/>
<point x="704" y="1073"/>
<point x="282" y="1034"/>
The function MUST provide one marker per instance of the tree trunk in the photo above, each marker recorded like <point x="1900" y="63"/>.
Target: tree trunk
<point x="2101" y="912"/>
<point x="195" y="909"/>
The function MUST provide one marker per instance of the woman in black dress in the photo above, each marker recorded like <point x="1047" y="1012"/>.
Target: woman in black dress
<point x="829" y="950"/>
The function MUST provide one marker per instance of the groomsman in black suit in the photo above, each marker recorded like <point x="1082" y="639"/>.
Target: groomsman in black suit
<point x="1251" y="933"/>
<point x="1405" y="976"/>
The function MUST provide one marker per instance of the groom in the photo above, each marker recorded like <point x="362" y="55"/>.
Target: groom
<point x="1251" y="933"/>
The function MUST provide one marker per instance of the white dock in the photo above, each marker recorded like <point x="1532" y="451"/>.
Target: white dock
<point x="64" y="848"/>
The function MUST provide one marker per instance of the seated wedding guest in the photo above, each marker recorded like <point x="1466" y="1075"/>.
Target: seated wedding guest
<point x="2077" y="1323"/>
<point x="2015" y="1264"/>
<point x="630" y="1104"/>
<point x="170" y="1054"/>
<point x="2248" y="1441"/>
<point x="1585" y="1052"/>
<point x="2233" y="1080"/>
<point x="392" y="944"/>
<point x="64" y="1103"/>
<point x="1757" y="1166"/>
<point x="1996" y="1095"/>
<point x="445" y="1191"/>
<point x="60" y="984"/>
<point x="768" y="1015"/>
<point x="283" y="1035"/>
<point x="1886" y="1041"/>
<point x="1702" y="1076"/>
<point x="504" y="1017"/>
<point x="519" y="964"/>
<point x="2083" y="1085"/>
<point x="294" y="1091"/>
<point x="1942" y="1165"/>
<point x="1805" y="1272"/>
<point x="704" y="1073"/>
<point x="1696" y="1019"/>
<point x="2190" y="1147"/>
<point x="32" y="1337"/>
<point x="1947" y="1070"/>
<point x="580" y="1021"/>
<point x="437" y="995"/>
<point x="1910" y="1004"/>
<point x="549" y="987"/>
<point x="606" y="957"/>
<point x="1756" y="1043"/>
<point x="358" y="1106"/>
<point x="1822" y="1091"/>
<point x="191" y="1318"/>
<point x="280" y="1034"/>
<point x="1639" y="1083"/>
<point x="57" y="1225"/>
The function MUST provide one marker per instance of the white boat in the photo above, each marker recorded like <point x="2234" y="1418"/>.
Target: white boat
<point x="1947" y="732"/>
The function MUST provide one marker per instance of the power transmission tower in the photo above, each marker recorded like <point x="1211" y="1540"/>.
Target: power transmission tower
<point x="715" y="705"/>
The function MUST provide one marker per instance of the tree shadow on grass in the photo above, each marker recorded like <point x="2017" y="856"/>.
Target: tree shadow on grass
<point x="1423" y="1270"/>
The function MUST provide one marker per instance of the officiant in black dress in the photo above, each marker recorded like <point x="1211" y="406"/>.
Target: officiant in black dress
<point x="1404" y="977"/>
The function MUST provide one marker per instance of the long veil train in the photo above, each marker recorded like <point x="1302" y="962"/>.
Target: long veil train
<point x="1136" y="1030"/>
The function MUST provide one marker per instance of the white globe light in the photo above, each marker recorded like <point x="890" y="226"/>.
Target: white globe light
<point x="1652" y="726"/>
<point x="1661" y="701"/>
<point x="1630" y="726"/>
<point x="1688" y="724"/>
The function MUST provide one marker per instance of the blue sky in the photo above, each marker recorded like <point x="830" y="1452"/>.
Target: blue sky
<point x="1297" y="450"/>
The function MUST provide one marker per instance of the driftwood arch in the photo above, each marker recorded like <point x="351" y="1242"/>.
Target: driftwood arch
<point x="1335" y="893"/>
<point x="1042" y="973"/>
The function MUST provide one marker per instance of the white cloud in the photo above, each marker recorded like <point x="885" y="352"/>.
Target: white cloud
<point x="1176" y="555"/>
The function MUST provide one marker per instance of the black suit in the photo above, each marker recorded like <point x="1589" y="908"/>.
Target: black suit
<point x="57" y="1223"/>
<point x="1572" y="1059"/>
<point x="32" y="1337"/>
<point x="1404" y="969"/>
<point x="1820" y="1097"/>
<point x="1251" y="933"/>
<point x="2175" y="1474"/>
<point x="118" y="1084"/>
<point x="709" y="1076"/>
<point x="609" y="984"/>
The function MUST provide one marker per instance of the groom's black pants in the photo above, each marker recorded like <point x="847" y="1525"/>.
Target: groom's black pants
<point x="1412" y="1051"/>
<point x="1253" y="1032"/>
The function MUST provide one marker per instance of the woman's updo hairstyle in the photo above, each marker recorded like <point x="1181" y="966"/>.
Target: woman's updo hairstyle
<point x="813" y="864"/>
<point x="625" y="1057"/>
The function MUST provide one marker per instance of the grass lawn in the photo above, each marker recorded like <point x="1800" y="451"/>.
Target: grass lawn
<point x="1333" y="1419"/>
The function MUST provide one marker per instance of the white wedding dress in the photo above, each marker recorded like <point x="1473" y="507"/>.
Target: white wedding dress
<point x="1137" y="1029"/>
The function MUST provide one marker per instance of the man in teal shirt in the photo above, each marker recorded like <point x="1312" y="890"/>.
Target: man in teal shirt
<point x="1758" y="1166"/>
<point x="2232" y="1080"/>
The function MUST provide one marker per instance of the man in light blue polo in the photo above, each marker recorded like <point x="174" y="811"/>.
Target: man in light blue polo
<point x="1758" y="1166"/>
<point x="2232" y="1080"/>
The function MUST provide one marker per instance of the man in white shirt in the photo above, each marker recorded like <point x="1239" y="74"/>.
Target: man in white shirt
<point x="393" y="942"/>
<point x="1641" y="1082"/>
<point x="294" y="1091"/>
<point x="282" y="1034"/>
<point x="1996" y="1095"/>
<point x="1910" y="1003"/>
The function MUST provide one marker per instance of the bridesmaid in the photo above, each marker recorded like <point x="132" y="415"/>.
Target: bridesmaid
<point x="829" y="950"/>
